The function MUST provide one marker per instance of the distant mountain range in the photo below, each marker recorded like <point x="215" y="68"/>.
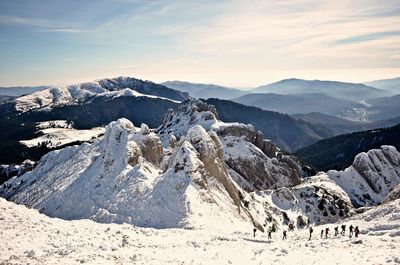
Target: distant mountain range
<point x="205" y="90"/>
<point x="339" y="126"/>
<point x="338" y="152"/>
<point x="19" y="91"/>
<point x="298" y="103"/>
<point x="349" y="91"/>
<point x="392" y="85"/>
<point x="285" y="131"/>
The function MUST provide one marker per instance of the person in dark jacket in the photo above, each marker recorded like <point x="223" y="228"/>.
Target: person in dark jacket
<point x="270" y="234"/>
<point x="284" y="235"/>
<point x="351" y="230"/>
<point x="254" y="232"/>
<point x="336" y="230"/>
<point x="356" y="231"/>
<point x="326" y="232"/>
<point x="343" y="232"/>
<point x="322" y="233"/>
<point x="311" y="230"/>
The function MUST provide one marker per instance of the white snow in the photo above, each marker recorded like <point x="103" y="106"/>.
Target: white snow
<point x="59" y="132"/>
<point x="54" y="137"/>
<point x="30" y="237"/>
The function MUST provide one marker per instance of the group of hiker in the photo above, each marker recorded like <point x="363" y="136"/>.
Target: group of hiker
<point x="352" y="231"/>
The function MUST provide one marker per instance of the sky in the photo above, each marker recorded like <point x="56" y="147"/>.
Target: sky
<point x="238" y="43"/>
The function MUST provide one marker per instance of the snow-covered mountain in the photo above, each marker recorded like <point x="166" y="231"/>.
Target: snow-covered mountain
<point x="193" y="170"/>
<point x="87" y="92"/>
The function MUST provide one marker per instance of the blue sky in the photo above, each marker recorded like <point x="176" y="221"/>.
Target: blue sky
<point x="237" y="43"/>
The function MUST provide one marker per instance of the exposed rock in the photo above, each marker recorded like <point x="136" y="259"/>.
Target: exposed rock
<point x="144" y="129"/>
<point x="172" y="141"/>
<point x="392" y="195"/>
<point x="379" y="167"/>
<point x="252" y="161"/>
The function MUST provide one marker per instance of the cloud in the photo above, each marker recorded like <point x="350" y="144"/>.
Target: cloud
<point x="368" y="37"/>
<point x="42" y="25"/>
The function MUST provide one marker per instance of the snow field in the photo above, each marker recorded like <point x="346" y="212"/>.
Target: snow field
<point x="31" y="238"/>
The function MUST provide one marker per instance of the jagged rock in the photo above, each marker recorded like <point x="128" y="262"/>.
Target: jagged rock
<point x="172" y="141"/>
<point x="144" y="129"/>
<point x="252" y="160"/>
<point x="269" y="149"/>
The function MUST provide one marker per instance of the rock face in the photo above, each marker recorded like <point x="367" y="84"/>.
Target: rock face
<point x="255" y="162"/>
<point x="371" y="177"/>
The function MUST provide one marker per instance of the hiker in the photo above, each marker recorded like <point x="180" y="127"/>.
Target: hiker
<point x="254" y="232"/>
<point x="336" y="230"/>
<point x="269" y="234"/>
<point x="284" y="235"/>
<point x="356" y="231"/>
<point x="311" y="230"/>
<point x="322" y="233"/>
<point x="343" y="230"/>
<point x="351" y="230"/>
<point x="326" y="232"/>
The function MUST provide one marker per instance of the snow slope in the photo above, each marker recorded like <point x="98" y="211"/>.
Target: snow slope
<point x="30" y="237"/>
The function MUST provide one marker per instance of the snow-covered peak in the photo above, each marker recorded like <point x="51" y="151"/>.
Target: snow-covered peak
<point x="127" y="176"/>
<point x="84" y="92"/>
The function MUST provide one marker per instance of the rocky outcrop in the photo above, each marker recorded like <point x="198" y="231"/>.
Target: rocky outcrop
<point x="371" y="177"/>
<point x="9" y="171"/>
<point x="379" y="167"/>
<point x="255" y="159"/>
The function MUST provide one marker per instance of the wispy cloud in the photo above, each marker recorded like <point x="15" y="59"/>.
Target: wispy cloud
<point x="368" y="37"/>
<point x="42" y="25"/>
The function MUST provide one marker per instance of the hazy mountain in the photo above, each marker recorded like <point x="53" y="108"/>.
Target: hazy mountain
<point x="335" y="124"/>
<point x="349" y="91"/>
<point x="338" y="152"/>
<point x="19" y="91"/>
<point x="384" y="108"/>
<point x="5" y="98"/>
<point x="285" y="131"/>
<point x="341" y="126"/>
<point x="392" y="84"/>
<point x="205" y="90"/>
<point x="298" y="103"/>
